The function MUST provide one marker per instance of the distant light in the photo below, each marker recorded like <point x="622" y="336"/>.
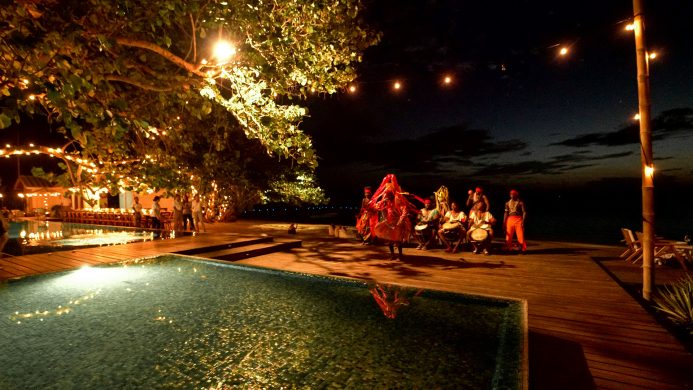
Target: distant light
<point x="563" y="51"/>
<point x="447" y="80"/>
<point x="8" y="145"/>
<point x="397" y="85"/>
<point x="203" y="62"/>
<point x="31" y="145"/>
<point x="352" y="88"/>
<point x="652" y="55"/>
<point x="630" y="27"/>
<point x="32" y="97"/>
<point x="223" y="50"/>
<point x="636" y="117"/>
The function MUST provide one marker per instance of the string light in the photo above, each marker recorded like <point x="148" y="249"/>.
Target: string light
<point x="630" y="27"/>
<point x="652" y="55"/>
<point x="397" y="85"/>
<point x="563" y="51"/>
<point x="352" y="88"/>
<point x="447" y="80"/>
<point x="636" y="117"/>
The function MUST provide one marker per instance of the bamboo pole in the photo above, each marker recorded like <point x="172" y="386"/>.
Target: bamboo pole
<point x="647" y="167"/>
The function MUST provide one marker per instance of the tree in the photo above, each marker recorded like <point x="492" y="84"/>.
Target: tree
<point x="138" y="92"/>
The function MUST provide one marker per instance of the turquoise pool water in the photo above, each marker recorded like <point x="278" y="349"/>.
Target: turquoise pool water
<point x="178" y="323"/>
<point x="28" y="237"/>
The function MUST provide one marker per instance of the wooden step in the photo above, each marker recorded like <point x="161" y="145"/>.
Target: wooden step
<point x="247" y="251"/>
<point x="240" y="242"/>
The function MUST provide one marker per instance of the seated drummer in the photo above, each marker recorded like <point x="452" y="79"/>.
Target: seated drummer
<point x="452" y="227"/>
<point x="481" y="219"/>
<point x="428" y="217"/>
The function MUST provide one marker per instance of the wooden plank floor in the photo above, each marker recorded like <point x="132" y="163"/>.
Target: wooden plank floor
<point x="585" y="331"/>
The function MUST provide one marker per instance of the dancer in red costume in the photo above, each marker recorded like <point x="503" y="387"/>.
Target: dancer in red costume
<point x="393" y="225"/>
<point x="363" y="219"/>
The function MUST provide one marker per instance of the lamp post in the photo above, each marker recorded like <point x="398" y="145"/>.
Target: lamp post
<point x="646" y="161"/>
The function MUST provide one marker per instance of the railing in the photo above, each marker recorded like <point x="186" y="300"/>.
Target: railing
<point x="116" y="218"/>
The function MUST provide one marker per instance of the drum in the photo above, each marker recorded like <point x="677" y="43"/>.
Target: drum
<point x="479" y="234"/>
<point x="447" y="226"/>
<point x="421" y="228"/>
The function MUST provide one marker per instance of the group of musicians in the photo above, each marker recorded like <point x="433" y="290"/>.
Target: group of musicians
<point x="441" y="220"/>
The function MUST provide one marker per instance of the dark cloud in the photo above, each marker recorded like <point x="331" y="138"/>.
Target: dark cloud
<point x="553" y="166"/>
<point x="428" y="153"/>
<point x="668" y="124"/>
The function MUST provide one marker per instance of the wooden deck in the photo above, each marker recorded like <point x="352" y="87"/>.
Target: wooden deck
<point x="585" y="330"/>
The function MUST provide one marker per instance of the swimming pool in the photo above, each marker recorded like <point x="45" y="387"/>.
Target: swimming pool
<point x="27" y="237"/>
<point x="178" y="322"/>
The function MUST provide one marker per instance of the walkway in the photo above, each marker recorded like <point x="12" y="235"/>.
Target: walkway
<point x="585" y="330"/>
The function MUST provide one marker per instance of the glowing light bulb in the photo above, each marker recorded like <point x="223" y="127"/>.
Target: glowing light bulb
<point x="652" y="55"/>
<point x="649" y="170"/>
<point x="397" y="85"/>
<point x="563" y="51"/>
<point x="223" y="50"/>
<point x="447" y="80"/>
<point x="636" y="117"/>
<point x="630" y="27"/>
<point x="352" y="88"/>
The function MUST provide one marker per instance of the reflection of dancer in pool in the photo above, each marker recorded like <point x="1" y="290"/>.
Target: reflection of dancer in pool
<point x="394" y="225"/>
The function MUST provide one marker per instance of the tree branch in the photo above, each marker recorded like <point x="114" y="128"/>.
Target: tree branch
<point x="192" y="68"/>
<point x="141" y="85"/>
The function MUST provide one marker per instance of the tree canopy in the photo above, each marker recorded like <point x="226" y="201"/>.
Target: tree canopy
<point x="138" y="92"/>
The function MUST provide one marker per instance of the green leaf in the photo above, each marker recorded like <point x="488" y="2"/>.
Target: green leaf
<point x="5" y="121"/>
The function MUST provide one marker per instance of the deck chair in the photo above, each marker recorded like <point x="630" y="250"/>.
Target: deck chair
<point x="677" y="249"/>
<point x="633" y="250"/>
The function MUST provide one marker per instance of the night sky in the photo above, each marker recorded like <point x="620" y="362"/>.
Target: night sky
<point x="517" y="114"/>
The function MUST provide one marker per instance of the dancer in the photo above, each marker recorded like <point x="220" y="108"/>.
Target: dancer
<point x="394" y="225"/>
<point x="514" y="221"/>
<point x="363" y="220"/>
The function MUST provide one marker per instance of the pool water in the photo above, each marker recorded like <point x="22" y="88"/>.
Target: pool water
<point x="177" y="322"/>
<point x="28" y="237"/>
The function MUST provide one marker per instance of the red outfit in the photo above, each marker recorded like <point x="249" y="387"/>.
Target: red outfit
<point x="393" y="224"/>
<point x="514" y="225"/>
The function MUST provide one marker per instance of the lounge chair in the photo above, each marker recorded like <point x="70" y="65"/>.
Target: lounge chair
<point x="678" y="249"/>
<point x="633" y="250"/>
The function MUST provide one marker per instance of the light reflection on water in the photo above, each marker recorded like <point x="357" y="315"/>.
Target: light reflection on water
<point x="43" y="236"/>
<point x="175" y="323"/>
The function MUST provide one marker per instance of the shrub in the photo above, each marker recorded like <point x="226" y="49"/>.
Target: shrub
<point x="675" y="300"/>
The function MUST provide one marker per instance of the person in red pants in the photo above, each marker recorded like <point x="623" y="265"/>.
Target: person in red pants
<point x="514" y="221"/>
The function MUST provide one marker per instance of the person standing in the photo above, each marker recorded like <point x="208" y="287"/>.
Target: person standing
<point x="394" y="226"/>
<point x="177" y="213"/>
<point x="198" y="218"/>
<point x="514" y="221"/>
<point x="156" y="216"/>
<point x="363" y="220"/>
<point x="187" y="213"/>
<point x="475" y="198"/>
<point x="137" y="210"/>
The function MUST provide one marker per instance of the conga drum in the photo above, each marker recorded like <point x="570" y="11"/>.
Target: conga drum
<point x="451" y="230"/>
<point x="479" y="235"/>
<point x="421" y="229"/>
